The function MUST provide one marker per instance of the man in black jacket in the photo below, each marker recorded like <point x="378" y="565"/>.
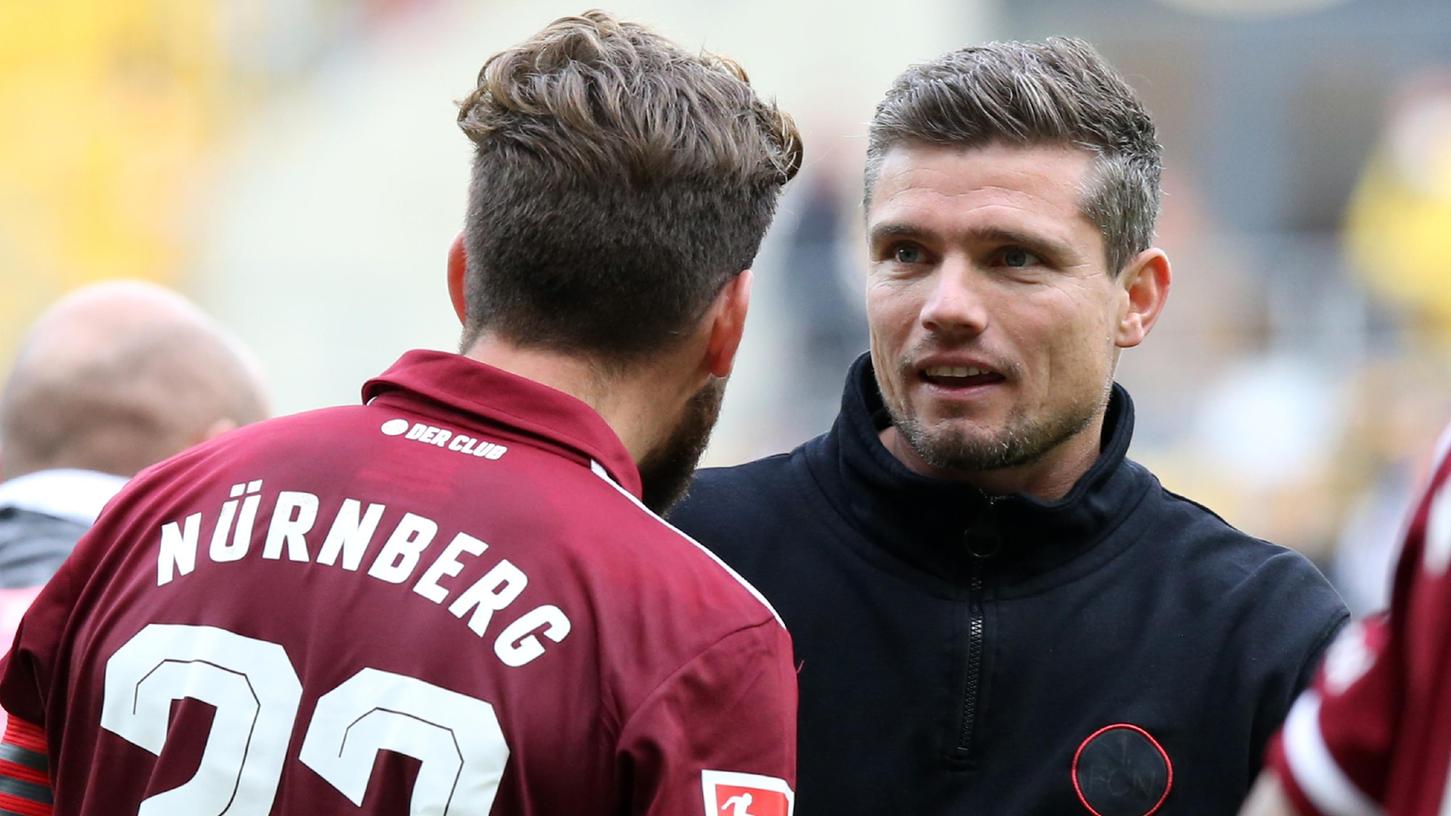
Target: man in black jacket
<point x="994" y="611"/>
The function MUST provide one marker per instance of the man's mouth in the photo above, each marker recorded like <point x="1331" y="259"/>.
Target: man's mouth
<point x="946" y="376"/>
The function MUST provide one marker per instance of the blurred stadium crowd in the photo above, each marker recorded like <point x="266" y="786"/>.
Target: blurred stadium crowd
<point x="261" y="156"/>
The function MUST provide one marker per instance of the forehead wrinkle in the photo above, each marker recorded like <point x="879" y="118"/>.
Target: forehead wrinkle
<point x="984" y="163"/>
<point x="1033" y="230"/>
<point x="1017" y="197"/>
<point x="933" y="189"/>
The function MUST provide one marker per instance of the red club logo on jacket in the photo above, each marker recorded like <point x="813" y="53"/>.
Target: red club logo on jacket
<point x="1121" y="770"/>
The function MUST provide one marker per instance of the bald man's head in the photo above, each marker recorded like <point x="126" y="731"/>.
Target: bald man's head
<point x="118" y="376"/>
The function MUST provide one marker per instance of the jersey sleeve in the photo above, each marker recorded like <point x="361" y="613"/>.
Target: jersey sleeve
<point x="1336" y="751"/>
<point x="719" y="735"/>
<point x="1331" y="754"/>
<point x="24" y="770"/>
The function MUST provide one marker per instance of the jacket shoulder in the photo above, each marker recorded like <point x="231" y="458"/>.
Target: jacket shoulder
<point x="726" y="501"/>
<point x="721" y="488"/>
<point x="1274" y="590"/>
<point x="1224" y="551"/>
<point x="1267" y="609"/>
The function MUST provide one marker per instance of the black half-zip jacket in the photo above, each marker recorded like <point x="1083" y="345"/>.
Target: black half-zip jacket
<point x="1121" y="651"/>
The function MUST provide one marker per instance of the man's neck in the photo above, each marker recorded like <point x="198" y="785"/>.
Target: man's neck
<point x="1047" y="478"/>
<point x="623" y="400"/>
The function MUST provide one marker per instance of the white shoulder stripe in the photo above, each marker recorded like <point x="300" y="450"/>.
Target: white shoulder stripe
<point x="1315" y="770"/>
<point x="1443" y="445"/>
<point x="604" y="474"/>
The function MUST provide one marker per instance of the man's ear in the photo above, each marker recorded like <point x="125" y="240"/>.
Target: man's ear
<point x="1145" y="290"/>
<point x="457" y="269"/>
<point x="727" y="318"/>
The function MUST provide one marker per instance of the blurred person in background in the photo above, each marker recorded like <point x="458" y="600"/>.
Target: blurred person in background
<point x="1373" y="734"/>
<point x="826" y="329"/>
<point x="1384" y="460"/>
<point x="111" y="379"/>
<point x="456" y="597"/>
<point x="995" y="610"/>
<point x="1398" y="228"/>
<point x="1398" y="238"/>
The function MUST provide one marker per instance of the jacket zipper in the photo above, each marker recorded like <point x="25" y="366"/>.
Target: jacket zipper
<point x="975" y="642"/>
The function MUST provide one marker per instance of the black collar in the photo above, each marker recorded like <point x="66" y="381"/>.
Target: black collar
<point x="955" y="531"/>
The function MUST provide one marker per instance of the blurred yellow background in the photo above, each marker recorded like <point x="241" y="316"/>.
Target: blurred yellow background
<point x="109" y="110"/>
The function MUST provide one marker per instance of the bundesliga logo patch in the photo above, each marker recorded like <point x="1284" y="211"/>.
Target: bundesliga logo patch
<point x="741" y="794"/>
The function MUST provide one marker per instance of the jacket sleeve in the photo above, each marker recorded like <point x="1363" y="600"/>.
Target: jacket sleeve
<point x="719" y="735"/>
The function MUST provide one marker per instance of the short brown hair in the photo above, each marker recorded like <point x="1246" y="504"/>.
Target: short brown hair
<point x="1057" y="91"/>
<point x="618" y="183"/>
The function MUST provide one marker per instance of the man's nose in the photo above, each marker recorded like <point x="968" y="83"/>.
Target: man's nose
<point x="956" y="304"/>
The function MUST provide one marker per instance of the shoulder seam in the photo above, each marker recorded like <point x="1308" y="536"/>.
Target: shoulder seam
<point x="600" y="471"/>
<point x="1182" y="499"/>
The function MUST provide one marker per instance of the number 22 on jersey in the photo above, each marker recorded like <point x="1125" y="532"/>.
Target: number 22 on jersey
<point x="256" y="692"/>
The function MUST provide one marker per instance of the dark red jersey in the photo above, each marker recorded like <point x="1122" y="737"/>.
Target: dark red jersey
<point x="445" y="601"/>
<point x="1373" y="734"/>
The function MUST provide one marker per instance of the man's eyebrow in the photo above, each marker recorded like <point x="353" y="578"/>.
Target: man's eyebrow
<point x="1034" y="241"/>
<point x="893" y="229"/>
<point x="988" y="234"/>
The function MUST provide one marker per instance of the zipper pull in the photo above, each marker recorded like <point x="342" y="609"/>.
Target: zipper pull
<point x="982" y="540"/>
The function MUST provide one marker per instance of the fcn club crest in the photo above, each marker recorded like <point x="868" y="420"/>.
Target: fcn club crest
<point x="1121" y="770"/>
<point x="741" y="794"/>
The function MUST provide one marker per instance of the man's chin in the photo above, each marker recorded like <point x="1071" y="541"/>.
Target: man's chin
<point x="962" y="445"/>
<point x="958" y="454"/>
<point x="948" y="432"/>
<point x="975" y="446"/>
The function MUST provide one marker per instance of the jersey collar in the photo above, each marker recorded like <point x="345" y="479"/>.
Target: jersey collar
<point x="476" y="389"/>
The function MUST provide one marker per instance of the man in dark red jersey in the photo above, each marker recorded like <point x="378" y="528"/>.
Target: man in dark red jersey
<point x="455" y="598"/>
<point x="1373" y="734"/>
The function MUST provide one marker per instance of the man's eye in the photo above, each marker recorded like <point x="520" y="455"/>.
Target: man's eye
<point x="907" y="254"/>
<point x="1013" y="256"/>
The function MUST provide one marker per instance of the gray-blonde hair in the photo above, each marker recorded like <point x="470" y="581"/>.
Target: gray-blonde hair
<point x="1059" y="91"/>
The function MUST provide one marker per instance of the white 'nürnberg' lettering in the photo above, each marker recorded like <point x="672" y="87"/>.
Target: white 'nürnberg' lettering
<point x="499" y="587"/>
<point x="291" y="520"/>
<point x="447" y="565"/>
<point x="399" y="556"/>
<point x="293" y="517"/>
<point x="350" y="535"/>
<point x="516" y="645"/>
<point x="178" y="549"/>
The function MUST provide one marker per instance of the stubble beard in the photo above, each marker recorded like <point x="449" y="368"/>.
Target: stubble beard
<point x="666" y="471"/>
<point x="1021" y="440"/>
